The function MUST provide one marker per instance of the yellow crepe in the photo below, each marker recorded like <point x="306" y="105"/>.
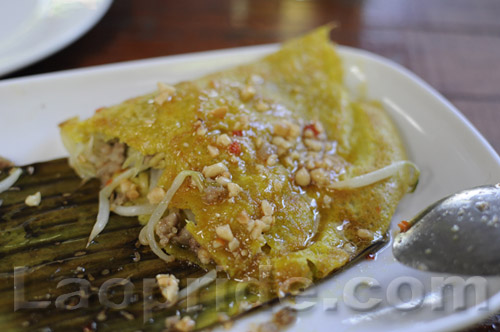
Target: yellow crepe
<point x="313" y="230"/>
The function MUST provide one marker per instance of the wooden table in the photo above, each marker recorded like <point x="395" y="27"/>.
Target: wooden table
<point x="452" y="44"/>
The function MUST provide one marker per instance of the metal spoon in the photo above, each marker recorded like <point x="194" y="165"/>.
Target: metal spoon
<point x="458" y="234"/>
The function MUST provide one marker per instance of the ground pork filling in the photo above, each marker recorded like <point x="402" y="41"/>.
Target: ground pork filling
<point x="170" y="229"/>
<point x="108" y="159"/>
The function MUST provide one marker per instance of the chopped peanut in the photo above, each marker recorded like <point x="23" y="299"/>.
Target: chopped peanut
<point x="310" y="164"/>
<point x="204" y="256"/>
<point x="294" y="131"/>
<point x="162" y="87"/>
<point x="224" y="232"/>
<point x="247" y="93"/>
<point x="272" y="160"/>
<point x="186" y="324"/>
<point x="349" y="247"/>
<point x="288" y="161"/>
<point x="302" y="177"/>
<point x="171" y="321"/>
<point x="265" y="150"/>
<point x="268" y="220"/>
<point x="219" y="112"/>
<point x="33" y="200"/>
<point x="132" y="194"/>
<point x="233" y="160"/>
<point x="129" y="189"/>
<point x="364" y="234"/>
<point x="125" y="185"/>
<point x="169" y="286"/>
<point x="224" y="140"/>
<point x="255" y="233"/>
<point x="250" y="225"/>
<point x="267" y="208"/>
<point x="319" y="127"/>
<point x="217" y="243"/>
<point x="258" y="142"/>
<point x="281" y="142"/>
<point x="259" y="227"/>
<point x="262" y="106"/>
<point x="286" y="129"/>
<point x="242" y="123"/>
<point x="295" y="155"/>
<point x="214" y="170"/>
<point x="165" y="93"/>
<point x="308" y="133"/>
<point x="281" y="128"/>
<point x="222" y="180"/>
<point x="319" y="176"/>
<point x="200" y="128"/>
<point x="243" y="218"/>
<point x="261" y="169"/>
<point x="233" y="189"/>
<point x="201" y="131"/>
<point x="313" y="144"/>
<point x="213" y="151"/>
<point x="156" y="195"/>
<point x="233" y="244"/>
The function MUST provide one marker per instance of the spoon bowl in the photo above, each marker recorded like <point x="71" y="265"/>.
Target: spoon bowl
<point x="457" y="234"/>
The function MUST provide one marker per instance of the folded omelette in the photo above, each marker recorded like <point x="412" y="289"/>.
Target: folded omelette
<point x="269" y="164"/>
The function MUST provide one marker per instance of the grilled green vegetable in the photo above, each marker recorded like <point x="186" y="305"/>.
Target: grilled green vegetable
<point x="43" y="254"/>
<point x="45" y="245"/>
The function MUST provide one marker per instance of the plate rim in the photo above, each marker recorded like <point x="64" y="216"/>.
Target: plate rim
<point x="459" y="321"/>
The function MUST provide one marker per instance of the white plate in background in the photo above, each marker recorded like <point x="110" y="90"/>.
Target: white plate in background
<point x="450" y="152"/>
<point x="31" y="30"/>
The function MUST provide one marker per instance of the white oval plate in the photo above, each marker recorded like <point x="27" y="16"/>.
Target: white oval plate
<point x="31" y="30"/>
<point x="451" y="153"/>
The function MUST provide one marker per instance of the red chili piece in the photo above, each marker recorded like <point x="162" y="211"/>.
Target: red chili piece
<point x="371" y="256"/>
<point x="313" y="128"/>
<point x="235" y="148"/>
<point x="404" y="226"/>
<point x="237" y="133"/>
